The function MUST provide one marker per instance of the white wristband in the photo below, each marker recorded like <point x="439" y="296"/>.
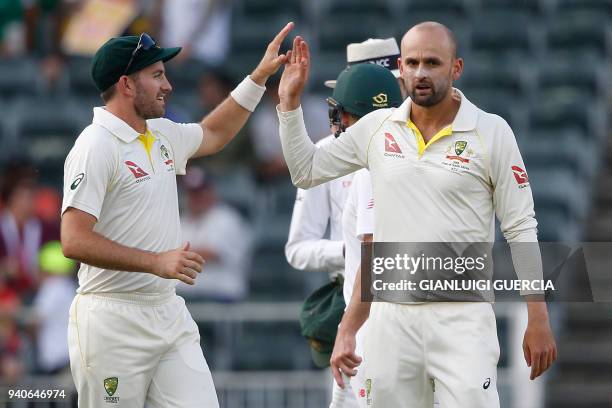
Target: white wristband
<point x="248" y="94"/>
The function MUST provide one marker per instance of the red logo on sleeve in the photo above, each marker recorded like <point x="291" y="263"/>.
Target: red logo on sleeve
<point x="520" y="175"/>
<point x="391" y="145"/>
<point x="370" y="204"/>
<point x="136" y="171"/>
<point x="362" y="393"/>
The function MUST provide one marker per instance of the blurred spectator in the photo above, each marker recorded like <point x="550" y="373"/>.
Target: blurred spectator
<point x="43" y="23"/>
<point x="21" y="231"/>
<point x="47" y="205"/>
<point x="34" y="27"/>
<point x="12" y="29"/>
<point x="51" y="308"/>
<point x="264" y="131"/>
<point x="219" y="234"/>
<point x="11" y="367"/>
<point x="213" y="88"/>
<point x="201" y="27"/>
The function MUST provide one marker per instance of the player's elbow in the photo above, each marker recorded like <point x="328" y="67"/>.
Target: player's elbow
<point x="70" y="247"/>
<point x="291" y="255"/>
<point x="301" y="182"/>
<point x="72" y="243"/>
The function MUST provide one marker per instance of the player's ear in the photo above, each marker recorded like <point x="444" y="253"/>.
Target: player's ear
<point x="126" y="85"/>
<point x="399" y="65"/>
<point x="457" y="68"/>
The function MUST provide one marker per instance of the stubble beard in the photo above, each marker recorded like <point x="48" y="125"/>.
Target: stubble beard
<point x="147" y="108"/>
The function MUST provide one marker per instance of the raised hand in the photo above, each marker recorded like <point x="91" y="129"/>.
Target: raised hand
<point x="294" y="75"/>
<point x="180" y="263"/>
<point x="272" y="60"/>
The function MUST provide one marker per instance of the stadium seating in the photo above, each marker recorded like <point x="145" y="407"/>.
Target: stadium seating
<point x="580" y="30"/>
<point x="532" y="8"/>
<point x="47" y="130"/>
<point x="18" y="77"/>
<point x="503" y="34"/>
<point x="452" y="7"/>
<point x="599" y="6"/>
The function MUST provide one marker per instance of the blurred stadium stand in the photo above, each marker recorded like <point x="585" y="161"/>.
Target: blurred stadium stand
<point x="543" y="65"/>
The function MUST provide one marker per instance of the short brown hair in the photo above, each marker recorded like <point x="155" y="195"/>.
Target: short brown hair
<point x="109" y="93"/>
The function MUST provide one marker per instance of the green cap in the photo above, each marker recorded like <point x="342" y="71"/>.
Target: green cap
<point x="363" y="88"/>
<point x="112" y="58"/>
<point x="319" y="320"/>
<point x="52" y="260"/>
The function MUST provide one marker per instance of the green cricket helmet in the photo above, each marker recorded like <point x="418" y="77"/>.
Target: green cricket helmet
<point x="363" y="88"/>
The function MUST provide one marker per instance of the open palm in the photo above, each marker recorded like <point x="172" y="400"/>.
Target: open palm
<point x="296" y="71"/>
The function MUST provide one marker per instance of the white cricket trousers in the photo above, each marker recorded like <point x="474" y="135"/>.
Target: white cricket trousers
<point x="412" y="349"/>
<point x="128" y="350"/>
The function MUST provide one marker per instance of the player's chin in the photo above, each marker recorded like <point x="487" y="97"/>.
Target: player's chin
<point x="157" y="112"/>
<point x="425" y="100"/>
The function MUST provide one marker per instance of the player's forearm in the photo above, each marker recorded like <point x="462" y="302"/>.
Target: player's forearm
<point x="527" y="262"/>
<point x="357" y="312"/>
<point x="537" y="311"/>
<point x="315" y="255"/>
<point x="94" y="249"/>
<point x="287" y="104"/>
<point x="297" y="147"/>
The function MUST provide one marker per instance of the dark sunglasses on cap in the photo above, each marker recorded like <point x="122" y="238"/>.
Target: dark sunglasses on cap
<point x="145" y="42"/>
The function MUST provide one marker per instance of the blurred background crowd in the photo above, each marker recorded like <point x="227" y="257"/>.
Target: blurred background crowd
<point x="543" y="65"/>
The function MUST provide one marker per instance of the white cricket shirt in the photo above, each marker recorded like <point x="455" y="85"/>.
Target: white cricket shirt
<point x="306" y="247"/>
<point x="128" y="182"/>
<point x="448" y="190"/>
<point x="357" y="221"/>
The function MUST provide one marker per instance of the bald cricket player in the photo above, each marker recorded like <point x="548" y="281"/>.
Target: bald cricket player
<point x="421" y="194"/>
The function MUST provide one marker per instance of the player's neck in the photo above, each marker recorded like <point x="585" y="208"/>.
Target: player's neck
<point x="128" y="115"/>
<point x="433" y="118"/>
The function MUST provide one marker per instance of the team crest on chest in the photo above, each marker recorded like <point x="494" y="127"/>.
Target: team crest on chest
<point x="460" y="147"/>
<point x="166" y="158"/>
<point x="460" y="161"/>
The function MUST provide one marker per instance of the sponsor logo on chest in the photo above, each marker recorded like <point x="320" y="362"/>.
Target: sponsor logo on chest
<point x="139" y="174"/>
<point x="392" y="149"/>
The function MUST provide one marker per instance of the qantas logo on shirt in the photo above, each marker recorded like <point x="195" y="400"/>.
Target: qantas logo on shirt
<point x="520" y="175"/>
<point x="136" y="171"/>
<point x="391" y="145"/>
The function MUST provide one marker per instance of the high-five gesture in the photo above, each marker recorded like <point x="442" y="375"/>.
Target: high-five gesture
<point x="272" y="60"/>
<point x="294" y="76"/>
